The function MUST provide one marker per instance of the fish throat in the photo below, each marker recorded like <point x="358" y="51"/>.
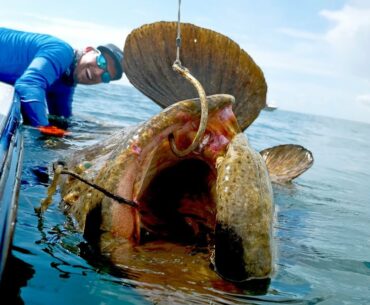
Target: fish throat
<point x="178" y="204"/>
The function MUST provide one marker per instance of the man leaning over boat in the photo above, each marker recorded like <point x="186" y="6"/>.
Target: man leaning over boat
<point x="45" y="71"/>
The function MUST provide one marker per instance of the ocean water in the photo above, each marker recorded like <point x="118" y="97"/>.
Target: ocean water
<point x="322" y="230"/>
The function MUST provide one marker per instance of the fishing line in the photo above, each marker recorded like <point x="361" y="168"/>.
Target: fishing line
<point x="60" y="170"/>
<point x="178" y="38"/>
<point x="115" y="197"/>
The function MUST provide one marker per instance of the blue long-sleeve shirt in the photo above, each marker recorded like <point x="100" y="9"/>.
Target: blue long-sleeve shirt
<point x="41" y="69"/>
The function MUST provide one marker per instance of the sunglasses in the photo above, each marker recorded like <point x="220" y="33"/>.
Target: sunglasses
<point x="102" y="64"/>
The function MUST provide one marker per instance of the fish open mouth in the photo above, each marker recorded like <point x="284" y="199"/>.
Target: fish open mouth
<point x="218" y="196"/>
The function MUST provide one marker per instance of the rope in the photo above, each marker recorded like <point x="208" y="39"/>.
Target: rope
<point x="52" y="188"/>
<point x="202" y="96"/>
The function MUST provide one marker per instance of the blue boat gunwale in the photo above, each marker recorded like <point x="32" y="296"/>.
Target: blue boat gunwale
<point x="11" y="156"/>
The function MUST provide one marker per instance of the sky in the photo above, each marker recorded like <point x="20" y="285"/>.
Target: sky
<point x="314" y="53"/>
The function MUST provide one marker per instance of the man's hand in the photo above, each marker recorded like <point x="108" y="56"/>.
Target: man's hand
<point x="53" y="131"/>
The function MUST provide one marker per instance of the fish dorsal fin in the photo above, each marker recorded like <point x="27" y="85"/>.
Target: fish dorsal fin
<point x="218" y="63"/>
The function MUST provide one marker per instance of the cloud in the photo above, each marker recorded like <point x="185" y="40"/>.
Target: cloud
<point x="350" y="36"/>
<point x="318" y="71"/>
<point x="78" y="33"/>
<point x="300" y="34"/>
<point x="364" y="99"/>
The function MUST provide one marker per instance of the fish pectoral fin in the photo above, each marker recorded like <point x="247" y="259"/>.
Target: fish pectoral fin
<point x="286" y="162"/>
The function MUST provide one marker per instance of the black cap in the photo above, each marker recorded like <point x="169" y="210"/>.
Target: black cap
<point x="116" y="54"/>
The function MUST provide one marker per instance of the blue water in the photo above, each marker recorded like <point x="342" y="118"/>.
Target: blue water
<point x="322" y="230"/>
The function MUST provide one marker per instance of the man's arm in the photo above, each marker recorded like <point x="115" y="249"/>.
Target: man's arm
<point x="44" y="70"/>
<point x="31" y="88"/>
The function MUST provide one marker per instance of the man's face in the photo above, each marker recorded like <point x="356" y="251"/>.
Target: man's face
<point x="92" y="69"/>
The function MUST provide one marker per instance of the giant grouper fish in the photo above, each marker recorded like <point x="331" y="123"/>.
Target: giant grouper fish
<point x="219" y="195"/>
